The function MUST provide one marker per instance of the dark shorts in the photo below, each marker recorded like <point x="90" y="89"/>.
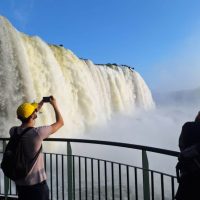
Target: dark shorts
<point x="39" y="191"/>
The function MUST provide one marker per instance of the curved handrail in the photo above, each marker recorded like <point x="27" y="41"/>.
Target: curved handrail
<point x="119" y="144"/>
<point x="146" y="172"/>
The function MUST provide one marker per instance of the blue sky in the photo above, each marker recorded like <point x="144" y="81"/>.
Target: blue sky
<point x="160" y="38"/>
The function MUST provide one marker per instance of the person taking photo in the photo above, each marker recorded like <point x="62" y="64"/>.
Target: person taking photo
<point x="34" y="186"/>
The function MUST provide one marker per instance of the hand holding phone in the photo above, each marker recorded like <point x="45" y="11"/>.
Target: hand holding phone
<point x="47" y="99"/>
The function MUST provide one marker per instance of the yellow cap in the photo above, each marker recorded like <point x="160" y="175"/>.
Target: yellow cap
<point x="25" y="110"/>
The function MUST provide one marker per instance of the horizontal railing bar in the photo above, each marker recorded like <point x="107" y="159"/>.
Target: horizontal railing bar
<point x="118" y="144"/>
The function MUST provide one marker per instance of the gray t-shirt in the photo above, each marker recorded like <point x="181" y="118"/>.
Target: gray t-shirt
<point x="32" y="141"/>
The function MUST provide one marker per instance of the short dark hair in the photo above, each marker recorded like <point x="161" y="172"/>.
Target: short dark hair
<point x="24" y="120"/>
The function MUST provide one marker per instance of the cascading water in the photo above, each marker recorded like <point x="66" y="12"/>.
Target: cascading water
<point x="87" y="94"/>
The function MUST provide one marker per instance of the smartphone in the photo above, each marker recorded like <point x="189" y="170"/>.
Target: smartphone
<point x="46" y="99"/>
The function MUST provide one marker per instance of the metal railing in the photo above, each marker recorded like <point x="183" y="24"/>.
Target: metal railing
<point x="73" y="177"/>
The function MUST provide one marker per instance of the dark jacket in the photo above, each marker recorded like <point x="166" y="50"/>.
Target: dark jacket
<point x="190" y="135"/>
<point x="189" y="185"/>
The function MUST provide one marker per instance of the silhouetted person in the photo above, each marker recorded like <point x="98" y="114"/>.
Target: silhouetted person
<point x="189" y="141"/>
<point x="34" y="186"/>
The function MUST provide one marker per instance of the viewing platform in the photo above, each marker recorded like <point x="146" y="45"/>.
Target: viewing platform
<point x="72" y="176"/>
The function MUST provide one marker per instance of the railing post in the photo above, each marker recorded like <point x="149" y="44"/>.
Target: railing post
<point x="145" y="166"/>
<point x="69" y="170"/>
<point x="6" y="179"/>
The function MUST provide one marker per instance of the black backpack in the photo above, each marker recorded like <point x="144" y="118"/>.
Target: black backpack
<point x="189" y="162"/>
<point x="15" y="164"/>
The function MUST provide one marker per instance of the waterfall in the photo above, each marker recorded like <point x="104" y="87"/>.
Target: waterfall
<point x="87" y="94"/>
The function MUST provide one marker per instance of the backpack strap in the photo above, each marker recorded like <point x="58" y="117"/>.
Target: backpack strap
<point x="23" y="132"/>
<point x="19" y="137"/>
<point x="38" y="153"/>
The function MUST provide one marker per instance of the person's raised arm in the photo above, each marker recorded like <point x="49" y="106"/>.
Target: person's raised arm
<point x="59" y="120"/>
<point x="40" y="104"/>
